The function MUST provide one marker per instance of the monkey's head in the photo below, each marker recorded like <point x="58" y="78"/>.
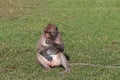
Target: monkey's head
<point x="51" y="31"/>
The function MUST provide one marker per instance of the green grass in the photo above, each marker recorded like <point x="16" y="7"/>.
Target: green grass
<point x="90" y="30"/>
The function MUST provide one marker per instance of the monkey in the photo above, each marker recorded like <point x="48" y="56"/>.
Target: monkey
<point x="50" y="49"/>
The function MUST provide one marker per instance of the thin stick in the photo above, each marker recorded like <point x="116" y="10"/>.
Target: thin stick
<point x="95" y="65"/>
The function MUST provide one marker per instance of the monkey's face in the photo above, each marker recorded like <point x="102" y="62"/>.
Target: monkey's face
<point x="51" y="35"/>
<point x="51" y="31"/>
<point x="47" y="36"/>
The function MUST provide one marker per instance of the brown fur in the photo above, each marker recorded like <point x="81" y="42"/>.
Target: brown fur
<point x="45" y="42"/>
<point x="50" y="27"/>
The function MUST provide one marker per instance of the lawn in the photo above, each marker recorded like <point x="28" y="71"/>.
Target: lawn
<point x="90" y="30"/>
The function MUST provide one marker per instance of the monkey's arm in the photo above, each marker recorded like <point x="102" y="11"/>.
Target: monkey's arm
<point x="58" y="43"/>
<point x="59" y="47"/>
<point x="41" y="45"/>
<point x="45" y="55"/>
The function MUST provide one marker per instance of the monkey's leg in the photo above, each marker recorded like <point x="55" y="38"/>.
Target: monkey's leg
<point x="42" y="61"/>
<point x="64" y="63"/>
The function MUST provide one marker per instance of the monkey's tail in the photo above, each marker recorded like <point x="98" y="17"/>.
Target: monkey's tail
<point x="95" y="65"/>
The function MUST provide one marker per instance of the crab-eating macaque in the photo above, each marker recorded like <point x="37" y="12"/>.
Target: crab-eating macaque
<point x="50" y="49"/>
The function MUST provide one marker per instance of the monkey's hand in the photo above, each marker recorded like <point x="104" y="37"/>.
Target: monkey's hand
<point x="50" y="42"/>
<point x="42" y="48"/>
<point x="59" y="47"/>
<point x="39" y="50"/>
<point x="46" y="48"/>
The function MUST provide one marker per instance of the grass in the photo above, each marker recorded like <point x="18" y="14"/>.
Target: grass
<point x="90" y="30"/>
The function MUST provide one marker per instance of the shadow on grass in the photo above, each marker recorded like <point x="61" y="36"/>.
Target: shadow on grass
<point x="67" y="57"/>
